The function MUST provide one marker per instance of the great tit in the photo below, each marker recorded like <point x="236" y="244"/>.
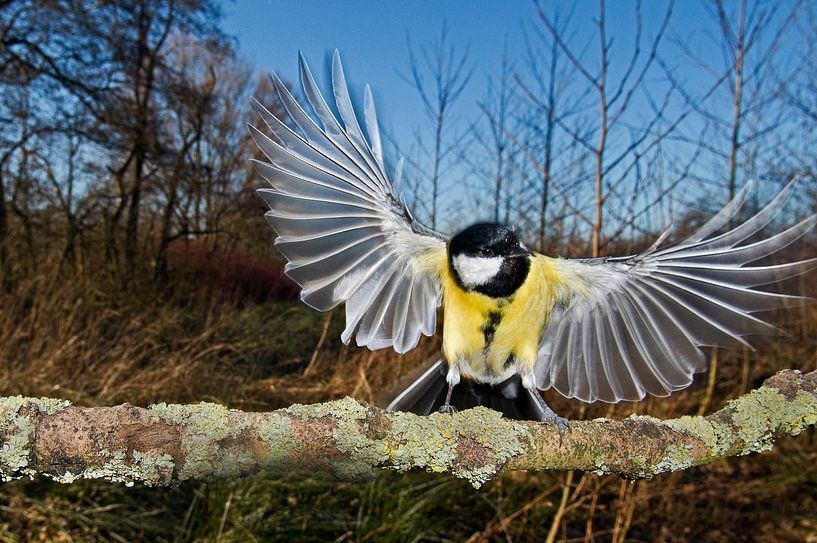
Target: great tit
<point x="514" y="321"/>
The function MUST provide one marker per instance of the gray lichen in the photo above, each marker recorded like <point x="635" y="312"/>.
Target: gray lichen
<point x="359" y="453"/>
<point x="343" y="408"/>
<point x="275" y="431"/>
<point x="422" y="442"/>
<point x="17" y="413"/>
<point x="751" y="422"/>
<point x="204" y="424"/>
<point x="676" y="458"/>
<point x="716" y="436"/>
<point x="143" y="468"/>
<point x="432" y="443"/>
<point x="153" y="469"/>
<point x="429" y="443"/>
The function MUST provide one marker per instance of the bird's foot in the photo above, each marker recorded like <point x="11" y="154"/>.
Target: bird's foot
<point x="448" y="408"/>
<point x="549" y="415"/>
<point x="562" y="424"/>
<point x="452" y="382"/>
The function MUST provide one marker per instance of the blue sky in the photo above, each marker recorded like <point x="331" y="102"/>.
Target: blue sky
<point x="372" y="39"/>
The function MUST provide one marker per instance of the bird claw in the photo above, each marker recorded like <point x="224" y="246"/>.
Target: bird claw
<point x="562" y="424"/>
<point x="448" y="408"/>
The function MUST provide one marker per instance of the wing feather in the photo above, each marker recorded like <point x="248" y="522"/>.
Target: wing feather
<point x="722" y="217"/>
<point x="607" y="376"/>
<point x="287" y="182"/>
<point x="340" y="224"/>
<point x="322" y="140"/>
<point x="606" y="382"/>
<point x="370" y="115"/>
<point x="640" y="322"/>
<point x="343" y="144"/>
<point x="353" y="131"/>
<point x="401" y="314"/>
<point x="306" y="162"/>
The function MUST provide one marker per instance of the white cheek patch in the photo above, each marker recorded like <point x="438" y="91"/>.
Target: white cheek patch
<point x="474" y="271"/>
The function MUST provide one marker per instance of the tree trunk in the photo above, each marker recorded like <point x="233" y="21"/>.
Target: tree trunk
<point x="132" y="224"/>
<point x="5" y="264"/>
<point x="737" y="105"/>
<point x="161" y="271"/>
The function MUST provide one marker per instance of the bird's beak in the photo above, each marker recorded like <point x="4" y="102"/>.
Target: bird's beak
<point x="519" y="251"/>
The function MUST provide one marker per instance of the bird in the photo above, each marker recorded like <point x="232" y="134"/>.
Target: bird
<point x="515" y="322"/>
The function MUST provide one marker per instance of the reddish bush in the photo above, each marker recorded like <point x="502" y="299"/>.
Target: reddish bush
<point x="229" y="274"/>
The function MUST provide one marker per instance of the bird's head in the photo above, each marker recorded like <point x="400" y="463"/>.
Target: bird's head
<point x="488" y="258"/>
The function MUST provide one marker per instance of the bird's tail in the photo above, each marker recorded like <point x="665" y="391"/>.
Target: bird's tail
<point x="427" y="394"/>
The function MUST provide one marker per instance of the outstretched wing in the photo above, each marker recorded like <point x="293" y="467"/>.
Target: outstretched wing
<point x="344" y="231"/>
<point x="631" y="326"/>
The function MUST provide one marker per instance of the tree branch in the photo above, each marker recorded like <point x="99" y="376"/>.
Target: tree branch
<point x="164" y="444"/>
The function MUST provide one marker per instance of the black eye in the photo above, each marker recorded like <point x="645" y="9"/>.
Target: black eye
<point x="486" y="251"/>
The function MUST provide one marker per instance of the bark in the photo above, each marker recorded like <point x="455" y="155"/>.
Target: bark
<point x="5" y="265"/>
<point x="165" y="444"/>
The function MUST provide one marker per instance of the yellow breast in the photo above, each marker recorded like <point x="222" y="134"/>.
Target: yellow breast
<point x="512" y="326"/>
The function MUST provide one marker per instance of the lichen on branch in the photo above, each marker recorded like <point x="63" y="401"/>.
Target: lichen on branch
<point x="164" y="444"/>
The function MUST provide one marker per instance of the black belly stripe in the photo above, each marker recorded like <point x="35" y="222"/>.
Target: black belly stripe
<point x="490" y="326"/>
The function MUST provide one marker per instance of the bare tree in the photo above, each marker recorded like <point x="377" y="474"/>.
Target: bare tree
<point x="616" y="145"/>
<point x="143" y="29"/>
<point x="801" y="95"/>
<point x="547" y="78"/>
<point x="49" y="72"/>
<point x="497" y="108"/>
<point x="752" y="80"/>
<point x="449" y="72"/>
<point x="64" y="176"/>
<point x="91" y="80"/>
<point x="738" y="46"/>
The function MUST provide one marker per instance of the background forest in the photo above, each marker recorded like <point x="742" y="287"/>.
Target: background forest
<point x="135" y="264"/>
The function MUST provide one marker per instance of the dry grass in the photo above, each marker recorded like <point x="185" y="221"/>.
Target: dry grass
<point x="92" y="347"/>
